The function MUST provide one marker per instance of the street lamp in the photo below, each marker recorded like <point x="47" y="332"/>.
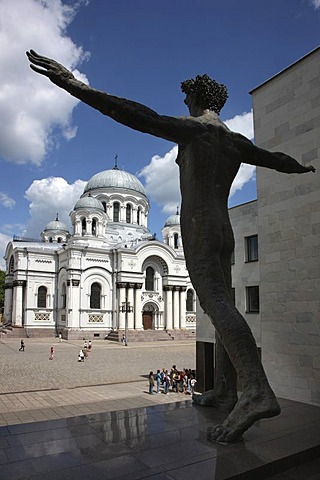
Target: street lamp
<point x="126" y="308"/>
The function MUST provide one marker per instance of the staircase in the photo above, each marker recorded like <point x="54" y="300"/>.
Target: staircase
<point x="8" y="331"/>
<point x="151" y="335"/>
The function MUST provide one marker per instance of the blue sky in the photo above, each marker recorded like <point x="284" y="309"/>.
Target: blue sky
<point x="50" y="144"/>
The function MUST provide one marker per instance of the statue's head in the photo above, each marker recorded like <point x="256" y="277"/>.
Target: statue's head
<point x="207" y="93"/>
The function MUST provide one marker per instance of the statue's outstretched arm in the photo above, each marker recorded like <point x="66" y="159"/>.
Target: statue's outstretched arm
<point x="263" y="158"/>
<point x="127" y="112"/>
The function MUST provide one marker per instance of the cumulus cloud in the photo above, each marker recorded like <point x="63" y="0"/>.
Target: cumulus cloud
<point x="6" y="201"/>
<point x="4" y="240"/>
<point x="48" y="197"/>
<point x="242" y="124"/>
<point x="315" y="3"/>
<point x="161" y="175"/>
<point x="32" y="108"/>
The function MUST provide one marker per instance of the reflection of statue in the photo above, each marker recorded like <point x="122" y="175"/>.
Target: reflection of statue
<point x="209" y="158"/>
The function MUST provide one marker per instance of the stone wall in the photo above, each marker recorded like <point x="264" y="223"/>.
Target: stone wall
<point x="287" y="118"/>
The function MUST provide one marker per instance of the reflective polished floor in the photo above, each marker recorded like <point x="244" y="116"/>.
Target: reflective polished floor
<point x="162" y="442"/>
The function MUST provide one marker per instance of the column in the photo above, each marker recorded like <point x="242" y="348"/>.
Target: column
<point x="182" y="307"/>
<point x="8" y="302"/>
<point x="17" y="313"/>
<point x="122" y="298"/>
<point x="176" y="305"/>
<point x="168" y="306"/>
<point x="130" y="298"/>
<point x="137" y="307"/>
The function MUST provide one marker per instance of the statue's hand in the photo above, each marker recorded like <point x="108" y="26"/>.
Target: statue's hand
<point x="56" y="72"/>
<point x="310" y="168"/>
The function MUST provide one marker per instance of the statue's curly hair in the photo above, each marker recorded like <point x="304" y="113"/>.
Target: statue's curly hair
<point x="207" y="92"/>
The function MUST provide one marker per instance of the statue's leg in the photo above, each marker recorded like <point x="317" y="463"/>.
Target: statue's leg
<point x="209" y="279"/>
<point x="224" y="394"/>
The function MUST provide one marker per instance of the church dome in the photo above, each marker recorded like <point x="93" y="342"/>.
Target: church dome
<point x="115" y="178"/>
<point x="173" y="220"/>
<point x="89" y="202"/>
<point x="56" y="225"/>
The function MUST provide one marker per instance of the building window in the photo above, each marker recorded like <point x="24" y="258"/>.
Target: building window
<point x="95" y="296"/>
<point x="252" y="248"/>
<point x="150" y="279"/>
<point x="233" y="295"/>
<point x="128" y="213"/>
<point x="42" y="297"/>
<point x="84" y="226"/>
<point x="175" y="240"/>
<point x="190" y="299"/>
<point x="94" y="227"/>
<point x="138" y="215"/>
<point x="64" y="296"/>
<point x="104" y="204"/>
<point x="116" y="211"/>
<point x="253" y="304"/>
<point x="11" y="265"/>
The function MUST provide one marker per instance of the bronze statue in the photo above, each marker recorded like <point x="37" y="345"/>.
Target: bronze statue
<point x="209" y="158"/>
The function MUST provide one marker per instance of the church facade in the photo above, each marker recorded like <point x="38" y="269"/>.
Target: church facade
<point x="109" y="274"/>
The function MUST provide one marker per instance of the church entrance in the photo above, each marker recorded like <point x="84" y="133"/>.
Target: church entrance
<point x="147" y="320"/>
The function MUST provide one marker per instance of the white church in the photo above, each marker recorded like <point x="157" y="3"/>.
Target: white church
<point x="109" y="276"/>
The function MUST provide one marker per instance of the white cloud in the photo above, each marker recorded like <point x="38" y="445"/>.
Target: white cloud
<point x="161" y="176"/>
<point x="6" y="201"/>
<point x="4" y="240"/>
<point x="31" y="107"/>
<point x="315" y="3"/>
<point x="48" y="197"/>
<point x="242" y="124"/>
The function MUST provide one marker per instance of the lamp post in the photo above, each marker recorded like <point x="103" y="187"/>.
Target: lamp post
<point x="126" y="308"/>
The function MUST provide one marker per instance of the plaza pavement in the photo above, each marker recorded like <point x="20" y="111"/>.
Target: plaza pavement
<point x="113" y="377"/>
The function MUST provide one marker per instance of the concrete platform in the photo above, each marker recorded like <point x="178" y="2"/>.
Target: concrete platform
<point x="162" y="441"/>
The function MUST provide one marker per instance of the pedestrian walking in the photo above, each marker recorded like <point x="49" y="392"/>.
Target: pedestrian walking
<point x="60" y="337"/>
<point x="158" y="380"/>
<point x="51" y="353"/>
<point x="151" y="382"/>
<point x="81" y="356"/>
<point x="21" y="349"/>
<point x="89" y="345"/>
<point x="193" y="382"/>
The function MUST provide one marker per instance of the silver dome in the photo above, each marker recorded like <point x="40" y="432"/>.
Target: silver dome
<point x="115" y="178"/>
<point x="89" y="202"/>
<point x="56" y="225"/>
<point x="172" y="220"/>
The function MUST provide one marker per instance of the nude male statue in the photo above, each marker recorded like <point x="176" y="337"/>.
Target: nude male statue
<point x="209" y="158"/>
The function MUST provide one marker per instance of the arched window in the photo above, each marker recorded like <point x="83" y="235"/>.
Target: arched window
<point x="94" y="227"/>
<point x="190" y="301"/>
<point x="11" y="265"/>
<point x="116" y="211"/>
<point x="104" y="206"/>
<point x="59" y="239"/>
<point x="175" y="240"/>
<point x="95" y="296"/>
<point x="128" y="213"/>
<point x="50" y="240"/>
<point x="84" y="226"/>
<point x="150" y="279"/>
<point x="42" y="297"/>
<point x="138" y="215"/>
<point x="64" y="296"/>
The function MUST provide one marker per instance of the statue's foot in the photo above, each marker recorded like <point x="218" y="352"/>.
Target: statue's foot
<point x="223" y="403"/>
<point x="248" y="410"/>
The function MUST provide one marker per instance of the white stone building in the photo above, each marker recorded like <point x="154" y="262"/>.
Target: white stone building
<point x="108" y="275"/>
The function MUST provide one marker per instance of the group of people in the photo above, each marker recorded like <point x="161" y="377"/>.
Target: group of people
<point x="183" y="381"/>
<point x="83" y="354"/>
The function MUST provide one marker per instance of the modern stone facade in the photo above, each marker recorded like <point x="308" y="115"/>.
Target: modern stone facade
<point x="287" y="118"/>
<point x="286" y="220"/>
